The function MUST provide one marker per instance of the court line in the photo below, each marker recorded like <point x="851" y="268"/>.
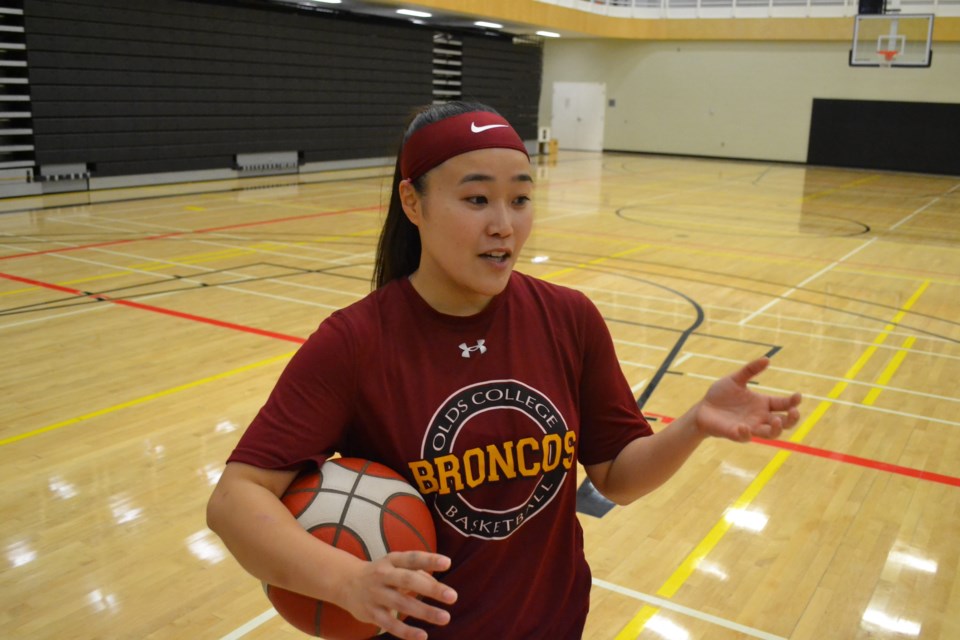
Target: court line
<point x="689" y="564"/>
<point x="846" y="458"/>
<point x="809" y="396"/>
<point x="167" y="227"/>
<point x="142" y="399"/>
<point x="146" y="307"/>
<point x="687" y="611"/>
<point x="889" y="371"/>
<point x="842" y="187"/>
<point x="250" y="625"/>
<point x="269" y="614"/>
<point x="792" y="318"/>
<point x="173" y="234"/>
<point x="876" y="465"/>
<point x="917" y="212"/>
<point x="807" y="281"/>
<point x="846" y="403"/>
<point x="163" y="278"/>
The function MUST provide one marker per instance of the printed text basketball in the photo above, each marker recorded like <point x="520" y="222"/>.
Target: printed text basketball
<point x="361" y="507"/>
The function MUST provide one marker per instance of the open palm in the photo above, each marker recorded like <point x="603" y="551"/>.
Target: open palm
<point x="731" y="410"/>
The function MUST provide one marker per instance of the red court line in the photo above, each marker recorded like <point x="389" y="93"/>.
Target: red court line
<point x="175" y="234"/>
<point x="909" y="472"/>
<point x="147" y="307"/>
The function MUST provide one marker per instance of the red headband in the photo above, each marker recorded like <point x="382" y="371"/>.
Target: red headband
<point x="436" y="143"/>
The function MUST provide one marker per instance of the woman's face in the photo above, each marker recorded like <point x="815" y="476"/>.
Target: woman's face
<point x="474" y="216"/>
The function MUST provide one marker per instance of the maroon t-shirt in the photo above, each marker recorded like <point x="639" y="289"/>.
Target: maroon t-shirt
<point x="486" y="415"/>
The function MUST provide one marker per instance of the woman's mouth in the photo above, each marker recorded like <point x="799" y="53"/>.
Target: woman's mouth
<point x="496" y="256"/>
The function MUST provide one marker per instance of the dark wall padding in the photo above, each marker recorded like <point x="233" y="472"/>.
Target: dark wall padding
<point x="922" y="137"/>
<point x="178" y="85"/>
<point x="506" y="76"/>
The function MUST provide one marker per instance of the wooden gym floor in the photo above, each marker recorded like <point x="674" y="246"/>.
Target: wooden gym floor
<point x="143" y="328"/>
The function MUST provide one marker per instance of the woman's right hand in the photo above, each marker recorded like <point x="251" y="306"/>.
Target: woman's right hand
<point x="385" y="590"/>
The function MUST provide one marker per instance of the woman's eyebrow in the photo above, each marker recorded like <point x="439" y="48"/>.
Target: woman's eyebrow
<point x="482" y="177"/>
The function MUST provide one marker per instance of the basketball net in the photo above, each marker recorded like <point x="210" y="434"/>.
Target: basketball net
<point x="885" y="57"/>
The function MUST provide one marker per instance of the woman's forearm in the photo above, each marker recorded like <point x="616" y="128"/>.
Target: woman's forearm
<point x="270" y="544"/>
<point x="646" y="463"/>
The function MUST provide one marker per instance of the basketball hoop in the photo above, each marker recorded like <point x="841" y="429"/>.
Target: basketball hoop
<point x="887" y="56"/>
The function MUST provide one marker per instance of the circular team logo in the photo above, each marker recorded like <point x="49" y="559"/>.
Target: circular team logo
<point x="495" y="454"/>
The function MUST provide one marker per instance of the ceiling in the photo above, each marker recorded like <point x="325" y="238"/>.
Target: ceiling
<point x="441" y="18"/>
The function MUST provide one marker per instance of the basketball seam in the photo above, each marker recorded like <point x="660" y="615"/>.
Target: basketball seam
<point x="382" y="505"/>
<point x="403" y="520"/>
<point x="346" y="506"/>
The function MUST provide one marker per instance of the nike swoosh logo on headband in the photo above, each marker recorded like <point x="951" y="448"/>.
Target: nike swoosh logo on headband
<point x="476" y="129"/>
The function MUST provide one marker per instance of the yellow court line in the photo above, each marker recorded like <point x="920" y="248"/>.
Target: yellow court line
<point x="192" y="259"/>
<point x="827" y="192"/>
<point x="891" y="369"/>
<point x="595" y="262"/>
<point x="143" y="399"/>
<point x="690" y="563"/>
<point x="744" y="257"/>
<point x="151" y="266"/>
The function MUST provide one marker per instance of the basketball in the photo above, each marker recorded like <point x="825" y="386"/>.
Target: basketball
<point x="361" y="507"/>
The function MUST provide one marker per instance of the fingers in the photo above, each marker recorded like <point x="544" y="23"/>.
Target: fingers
<point x="750" y="371"/>
<point x="784" y="403"/>
<point x="416" y="580"/>
<point x="412" y="580"/>
<point x="393" y="588"/>
<point x="419" y="560"/>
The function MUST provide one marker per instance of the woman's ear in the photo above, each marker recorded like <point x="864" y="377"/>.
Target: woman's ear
<point x="410" y="201"/>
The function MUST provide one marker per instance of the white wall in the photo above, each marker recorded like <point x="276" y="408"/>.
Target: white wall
<point x="731" y="99"/>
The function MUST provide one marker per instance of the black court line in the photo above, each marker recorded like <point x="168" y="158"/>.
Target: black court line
<point x="93" y="297"/>
<point x="794" y="300"/>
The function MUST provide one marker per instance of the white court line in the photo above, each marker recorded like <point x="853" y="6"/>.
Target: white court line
<point x="185" y="265"/>
<point x="45" y="318"/>
<point x="872" y="385"/>
<point x="925" y="207"/>
<point x="805" y="334"/>
<point x="268" y="615"/>
<point x="195" y="238"/>
<point x="809" y="374"/>
<point x="917" y="212"/>
<point x="166" y="280"/>
<point x="844" y="258"/>
<point x="682" y="359"/>
<point x="826" y="269"/>
<point x="246" y="628"/>
<point x="711" y="307"/>
<point x="855" y="405"/>
<point x="209" y="269"/>
<point x="687" y="611"/>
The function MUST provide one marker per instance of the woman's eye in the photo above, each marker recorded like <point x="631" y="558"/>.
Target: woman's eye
<point x="477" y="199"/>
<point x="522" y="200"/>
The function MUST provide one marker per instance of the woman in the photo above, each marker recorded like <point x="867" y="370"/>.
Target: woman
<point x="482" y="386"/>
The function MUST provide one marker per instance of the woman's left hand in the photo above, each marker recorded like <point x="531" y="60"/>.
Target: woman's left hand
<point x="731" y="410"/>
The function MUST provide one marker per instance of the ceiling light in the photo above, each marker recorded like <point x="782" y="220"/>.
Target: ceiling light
<point x="548" y="34"/>
<point x="415" y="14"/>
<point x="488" y="25"/>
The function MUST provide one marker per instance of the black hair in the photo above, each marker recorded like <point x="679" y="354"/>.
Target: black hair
<point x="398" y="251"/>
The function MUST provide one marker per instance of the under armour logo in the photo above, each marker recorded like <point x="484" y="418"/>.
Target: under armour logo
<point x="476" y="129"/>
<point x="477" y="347"/>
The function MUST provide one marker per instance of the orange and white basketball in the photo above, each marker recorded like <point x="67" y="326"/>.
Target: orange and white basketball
<point x="361" y="507"/>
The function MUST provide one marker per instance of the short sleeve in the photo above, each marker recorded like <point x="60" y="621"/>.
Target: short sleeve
<point x="609" y="415"/>
<point x="306" y="414"/>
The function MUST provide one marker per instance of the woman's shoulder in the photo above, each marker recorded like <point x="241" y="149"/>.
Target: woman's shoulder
<point x="367" y="313"/>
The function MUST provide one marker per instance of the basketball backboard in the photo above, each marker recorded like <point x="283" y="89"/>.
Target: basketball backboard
<point x="892" y="40"/>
